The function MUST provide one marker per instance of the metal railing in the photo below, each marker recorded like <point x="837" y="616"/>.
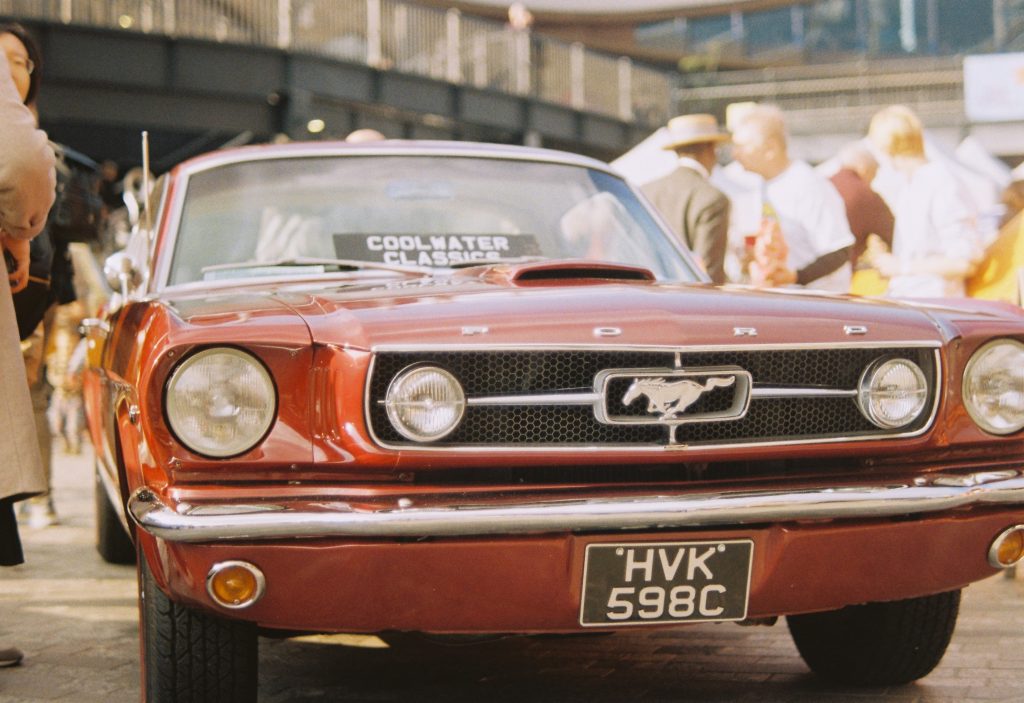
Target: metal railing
<point x="392" y="35"/>
<point x="836" y="95"/>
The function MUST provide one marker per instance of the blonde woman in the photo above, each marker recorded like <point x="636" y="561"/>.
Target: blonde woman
<point x="936" y="243"/>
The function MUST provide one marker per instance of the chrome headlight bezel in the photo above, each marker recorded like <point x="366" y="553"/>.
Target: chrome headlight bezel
<point x="395" y="405"/>
<point x="867" y="393"/>
<point x="185" y="423"/>
<point x="974" y="367"/>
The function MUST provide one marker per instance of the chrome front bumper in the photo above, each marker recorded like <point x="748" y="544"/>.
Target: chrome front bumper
<point x="318" y="519"/>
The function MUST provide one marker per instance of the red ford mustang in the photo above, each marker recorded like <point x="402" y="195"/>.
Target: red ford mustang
<point x="459" y="388"/>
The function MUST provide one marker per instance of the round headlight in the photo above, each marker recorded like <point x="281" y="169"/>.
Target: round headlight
<point x="892" y="392"/>
<point x="994" y="386"/>
<point x="425" y="403"/>
<point x="220" y="402"/>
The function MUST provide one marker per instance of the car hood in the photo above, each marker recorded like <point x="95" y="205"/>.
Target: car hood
<point x="569" y="306"/>
<point x="491" y="307"/>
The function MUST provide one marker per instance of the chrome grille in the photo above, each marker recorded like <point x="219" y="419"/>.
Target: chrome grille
<point x="490" y="373"/>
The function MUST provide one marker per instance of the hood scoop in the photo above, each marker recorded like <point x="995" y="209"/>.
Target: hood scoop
<point x="562" y="270"/>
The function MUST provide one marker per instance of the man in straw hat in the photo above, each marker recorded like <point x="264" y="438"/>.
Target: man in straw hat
<point x="697" y="210"/>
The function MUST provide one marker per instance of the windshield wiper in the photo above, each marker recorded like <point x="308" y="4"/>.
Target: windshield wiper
<point x="499" y="260"/>
<point x="341" y="264"/>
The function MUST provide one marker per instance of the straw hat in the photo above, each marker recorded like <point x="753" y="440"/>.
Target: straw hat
<point x="693" y="129"/>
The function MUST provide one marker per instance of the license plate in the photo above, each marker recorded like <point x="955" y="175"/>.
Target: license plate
<point x="665" y="582"/>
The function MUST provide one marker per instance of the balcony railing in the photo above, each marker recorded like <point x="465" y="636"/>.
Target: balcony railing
<point x="392" y="35"/>
<point x="818" y="97"/>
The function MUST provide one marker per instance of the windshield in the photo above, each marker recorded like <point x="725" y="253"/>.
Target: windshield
<point x="292" y="216"/>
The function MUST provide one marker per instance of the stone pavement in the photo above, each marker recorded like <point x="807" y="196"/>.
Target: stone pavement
<point x="76" y="619"/>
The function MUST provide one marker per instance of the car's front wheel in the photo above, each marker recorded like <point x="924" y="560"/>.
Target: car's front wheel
<point x="877" y="644"/>
<point x="190" y="656"/>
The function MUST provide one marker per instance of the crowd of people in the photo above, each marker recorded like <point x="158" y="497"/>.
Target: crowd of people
<point x="887" y="220"/>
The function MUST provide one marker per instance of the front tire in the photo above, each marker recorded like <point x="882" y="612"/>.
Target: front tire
<point x="112" y="542"/>
<point x="190" y="656"/>
<point x="877" y="644"/>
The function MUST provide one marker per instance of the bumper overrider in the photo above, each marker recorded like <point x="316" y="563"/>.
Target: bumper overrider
<point x="318" y="519"/>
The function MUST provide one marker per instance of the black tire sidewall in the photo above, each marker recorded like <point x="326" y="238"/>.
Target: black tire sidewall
<point x="112" y="542"/>
<point x="878" y="644"/>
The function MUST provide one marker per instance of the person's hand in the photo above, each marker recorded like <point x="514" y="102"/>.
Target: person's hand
<point x="783" y="276"/>
<point x="759" y="276"/>
<point x="770" y="250"/>
<point x="771" y="276"/>
<point x="20" y="249"/>
<point x="887" y="264"/>
<point x="764" y="274"/>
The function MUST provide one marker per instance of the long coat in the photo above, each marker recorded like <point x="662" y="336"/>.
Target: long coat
<point x="21" y="469"/>
<point x="698" y="212"/>
<point x="26" y="193"/>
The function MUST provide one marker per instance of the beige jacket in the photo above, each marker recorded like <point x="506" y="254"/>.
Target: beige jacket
<point x="27" y="184"/>
<point x="698" y="212"/>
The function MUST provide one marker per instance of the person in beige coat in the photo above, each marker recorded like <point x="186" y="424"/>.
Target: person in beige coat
<point x="695" y="209"/>
<point x="27" y="183"/>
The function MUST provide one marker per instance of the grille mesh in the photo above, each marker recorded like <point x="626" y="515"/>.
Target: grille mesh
<point x="501" y="373"/>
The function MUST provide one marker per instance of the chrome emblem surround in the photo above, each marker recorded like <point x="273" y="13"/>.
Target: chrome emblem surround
<point x="670" y="392"/>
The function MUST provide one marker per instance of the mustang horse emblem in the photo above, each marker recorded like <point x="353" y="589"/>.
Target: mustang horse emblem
<point x="671" y="399"/>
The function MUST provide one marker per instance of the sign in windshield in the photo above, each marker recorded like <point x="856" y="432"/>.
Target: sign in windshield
<point x="434" y="249"/>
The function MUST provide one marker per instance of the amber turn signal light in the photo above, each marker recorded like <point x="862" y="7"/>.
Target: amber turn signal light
<point x="235" y="584"/>
<point x="1008" y="548"/>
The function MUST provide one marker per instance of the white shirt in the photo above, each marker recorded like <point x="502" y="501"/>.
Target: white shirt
<point x="934" y="217"/>
<point x="744" y="190"/>
<point x="813" y="220"/>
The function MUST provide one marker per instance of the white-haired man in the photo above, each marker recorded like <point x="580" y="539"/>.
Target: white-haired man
<point x="810" y="212"/>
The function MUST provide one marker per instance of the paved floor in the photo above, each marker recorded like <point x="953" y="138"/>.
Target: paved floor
<point x="75" y="618"/>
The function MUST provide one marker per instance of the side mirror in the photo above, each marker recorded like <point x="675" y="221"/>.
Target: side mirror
<point x="132" y="207"/>
<point x="133" y="194"/>
<point x="121" y="272"/>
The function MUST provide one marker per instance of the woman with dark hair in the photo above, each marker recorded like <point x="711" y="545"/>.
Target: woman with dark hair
<point x="26" y="193"/>
<point x="25" y="60"/>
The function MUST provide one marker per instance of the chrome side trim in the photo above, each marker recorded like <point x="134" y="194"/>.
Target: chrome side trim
<point x="540" y="399"/>
<point x="589" y="398"/>
<point x="795" y="392"/>
<point x="318" y="519"/>
<point x="95" y="323"/>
